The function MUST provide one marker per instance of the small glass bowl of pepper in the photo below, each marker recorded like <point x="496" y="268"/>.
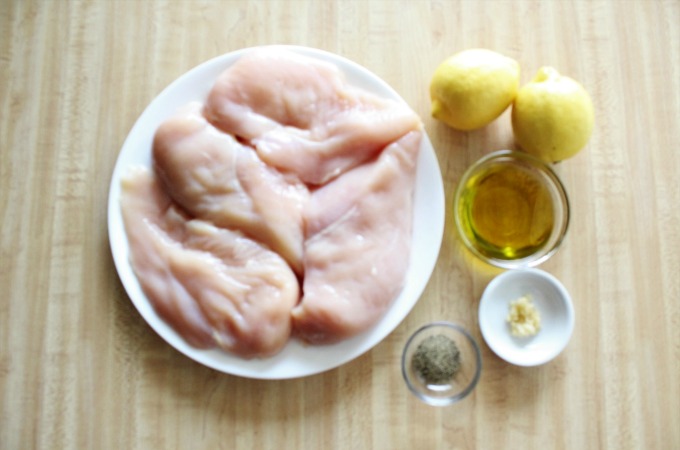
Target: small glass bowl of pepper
<point x="441" y="363"/>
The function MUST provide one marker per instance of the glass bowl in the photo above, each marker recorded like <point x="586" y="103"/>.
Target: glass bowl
<point x="448" y="389"/>
<point x="511" y="210"/>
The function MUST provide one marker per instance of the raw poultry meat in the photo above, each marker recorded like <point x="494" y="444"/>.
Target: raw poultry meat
<point x="214" y="177"/>
<point x="302" y="116"/>
<point x="214" y="286"/>
<point x="358" y="245"/>
<point x="285" y="182"/>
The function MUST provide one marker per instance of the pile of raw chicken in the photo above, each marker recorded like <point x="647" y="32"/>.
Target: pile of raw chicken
<point x="281" y="206"/>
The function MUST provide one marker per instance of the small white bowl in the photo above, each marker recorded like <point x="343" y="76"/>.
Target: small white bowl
<point x="554" y="305"/>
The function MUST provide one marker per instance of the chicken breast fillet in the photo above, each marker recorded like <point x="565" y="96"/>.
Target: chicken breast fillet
<point x="214" y="286"/>
<point x="302" y="116"/>
<point x="358" y="245"/>
<point x="214" y="177"/>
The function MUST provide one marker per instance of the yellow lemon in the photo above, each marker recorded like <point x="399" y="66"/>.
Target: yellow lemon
<point x="552" y="116"/>
<point x="472" y="88"/>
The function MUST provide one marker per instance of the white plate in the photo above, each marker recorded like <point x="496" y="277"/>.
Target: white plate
<point x="296" y="359"/>
<point x="553" y="303"/>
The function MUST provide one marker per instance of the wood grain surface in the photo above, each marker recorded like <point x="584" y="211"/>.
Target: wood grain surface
<point x="79" y="367"/>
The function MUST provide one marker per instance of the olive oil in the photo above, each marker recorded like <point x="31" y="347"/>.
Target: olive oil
<point x="506" y="211"/>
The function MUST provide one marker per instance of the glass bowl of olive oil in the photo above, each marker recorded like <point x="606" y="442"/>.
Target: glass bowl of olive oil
<point x="511" y="210"/>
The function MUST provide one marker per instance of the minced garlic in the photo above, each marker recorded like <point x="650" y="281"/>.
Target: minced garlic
<point x="524" y="318"/>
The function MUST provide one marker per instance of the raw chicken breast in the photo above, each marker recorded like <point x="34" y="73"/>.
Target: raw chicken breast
<point x="215" y="287"/>
<point x="216" y="178"/>
<point x="302" y="116"/>
<point x="358" y="246"/>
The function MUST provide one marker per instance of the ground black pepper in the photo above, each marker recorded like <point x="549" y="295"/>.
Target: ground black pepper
<point x="436" y="359"/>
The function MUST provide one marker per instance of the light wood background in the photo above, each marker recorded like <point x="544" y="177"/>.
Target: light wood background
<point x="79" y="368"/>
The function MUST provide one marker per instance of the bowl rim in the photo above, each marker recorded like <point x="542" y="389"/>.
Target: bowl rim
<point x="448" y="400"/>
<point x="563" y="298"/>
<point x="560" y="229"/>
